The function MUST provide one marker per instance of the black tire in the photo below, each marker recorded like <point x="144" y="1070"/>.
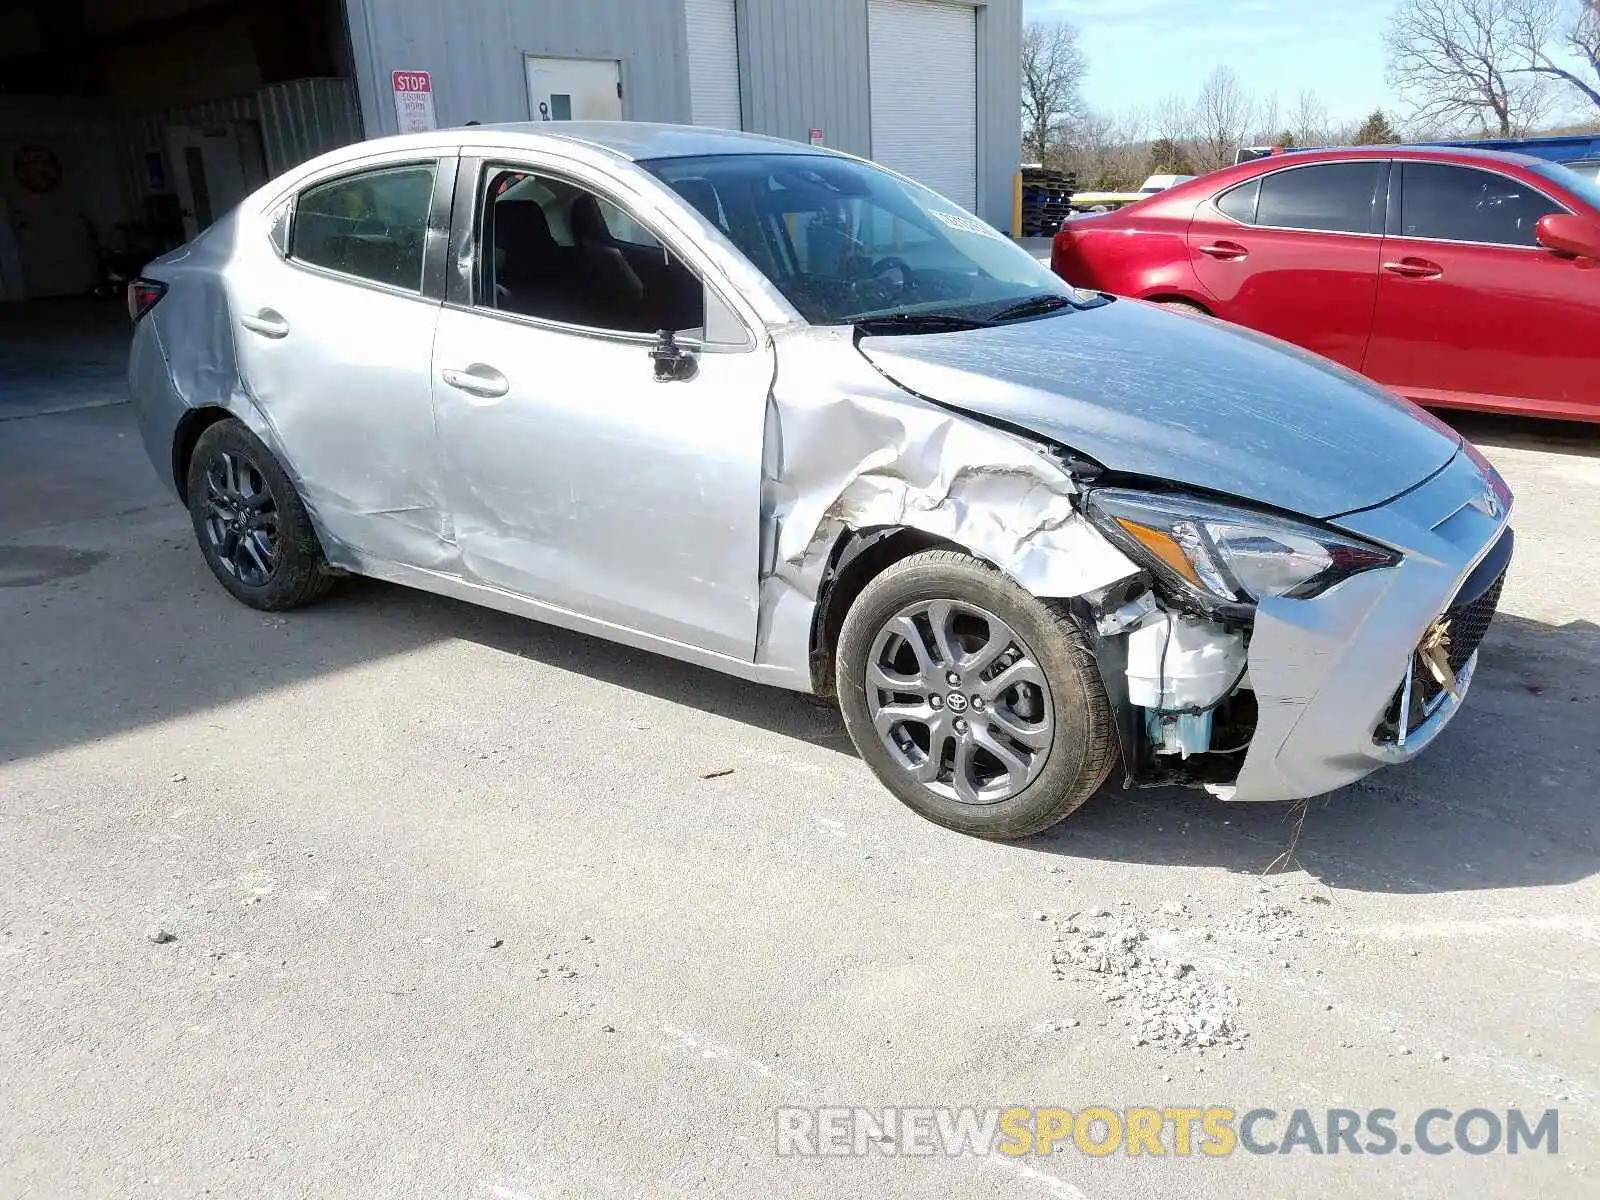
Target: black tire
<point x="1082" y="744"/>
<point x="298" y="571"/>
<point x="1185" y="307"/>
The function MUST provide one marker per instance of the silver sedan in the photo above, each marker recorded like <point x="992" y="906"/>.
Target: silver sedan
<point x="775" y="411"/>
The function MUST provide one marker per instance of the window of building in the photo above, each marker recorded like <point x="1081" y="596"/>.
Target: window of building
<point x="373" y="225"/>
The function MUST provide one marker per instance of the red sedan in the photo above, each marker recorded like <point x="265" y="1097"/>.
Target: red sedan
<point x="1459" y="278"/>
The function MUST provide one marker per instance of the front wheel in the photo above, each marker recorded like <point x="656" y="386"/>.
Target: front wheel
<point x="976" y="704"/>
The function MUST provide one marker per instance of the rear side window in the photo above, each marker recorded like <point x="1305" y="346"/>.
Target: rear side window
<point x="1330" y="197"/>
<point x="1463" y="204"/>
<point x="372" y="226"/>
<point x="1240" y="203"/>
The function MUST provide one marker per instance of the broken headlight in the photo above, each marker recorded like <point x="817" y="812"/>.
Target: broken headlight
<point x="1233" y="555"/>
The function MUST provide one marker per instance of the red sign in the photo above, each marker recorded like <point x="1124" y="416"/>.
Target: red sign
<point x="413" y="101"/>
<point x="412" y="81"/>
<point x="816" y="137"/>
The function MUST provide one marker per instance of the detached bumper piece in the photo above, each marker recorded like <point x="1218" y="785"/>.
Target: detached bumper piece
<point x="1448" y="649"/>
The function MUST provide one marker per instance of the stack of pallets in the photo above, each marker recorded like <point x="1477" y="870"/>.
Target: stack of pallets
<point x="1045" y="196"/>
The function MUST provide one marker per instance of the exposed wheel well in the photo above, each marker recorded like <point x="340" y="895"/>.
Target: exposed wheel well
<point x="859" y="556"/>
<point x="1179" y="301"/>
<point x="195" y="422"/>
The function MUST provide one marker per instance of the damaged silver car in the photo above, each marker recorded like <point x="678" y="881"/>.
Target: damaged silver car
<point x="776" y="411"/>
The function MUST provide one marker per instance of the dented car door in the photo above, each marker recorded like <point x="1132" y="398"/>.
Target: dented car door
<point x="332" y="335"/>
<point x="593" y="462"/>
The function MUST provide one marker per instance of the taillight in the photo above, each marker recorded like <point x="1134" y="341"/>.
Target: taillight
<point x="142" y="297"/>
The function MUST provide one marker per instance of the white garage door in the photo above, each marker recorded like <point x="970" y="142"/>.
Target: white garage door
<point x="925" y="93"/>
<point x="713" y="62"/>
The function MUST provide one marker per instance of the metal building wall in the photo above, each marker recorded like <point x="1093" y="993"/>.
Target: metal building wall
<point x="475" y="50"/>
<point x="805" y="66"/>
<point x="303" y="118"/>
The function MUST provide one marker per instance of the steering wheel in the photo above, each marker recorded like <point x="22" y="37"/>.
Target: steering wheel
<point x="894" y="263"/>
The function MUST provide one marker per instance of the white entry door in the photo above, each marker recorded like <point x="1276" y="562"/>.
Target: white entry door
<point x="924" y="69"/>
<point x="574" y="89"/>
<point x="207" y="173"/>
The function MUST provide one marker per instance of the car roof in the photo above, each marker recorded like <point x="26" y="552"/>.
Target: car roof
<point x="636" y="141"/>
<point x="1441" y="153"/>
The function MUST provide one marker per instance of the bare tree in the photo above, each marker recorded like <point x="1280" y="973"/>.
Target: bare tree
<point x="1107" y="151"/>
<point x="1461" y="63"/>
<point x="1222" y="119"/>
<point x="1539" y="23"/>
<point x="1310" y="121"/>
<point x="1268" y="129"/>
<point x="1172" y="119"/>
<point x="1053" y="67"/>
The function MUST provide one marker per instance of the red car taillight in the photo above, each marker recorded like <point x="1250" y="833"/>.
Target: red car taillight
<point x="142" y="297"/>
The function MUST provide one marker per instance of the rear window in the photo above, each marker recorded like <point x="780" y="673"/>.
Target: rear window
<point x="1328" y="197"/>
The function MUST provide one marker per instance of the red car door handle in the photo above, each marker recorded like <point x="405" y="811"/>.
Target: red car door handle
<point x="1414" y="268"/>
<point x="1226" y="251"/>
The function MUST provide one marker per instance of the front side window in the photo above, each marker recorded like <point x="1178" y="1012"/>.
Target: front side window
<point x="373" y="225"/>
<point x="1329" y="198"/>
<point x="845" y="241"/>
<point x="560" y="252"/>
<point x="1463" y="204"/>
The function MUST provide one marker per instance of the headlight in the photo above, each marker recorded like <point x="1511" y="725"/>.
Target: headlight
<point x="1232" y="555"/>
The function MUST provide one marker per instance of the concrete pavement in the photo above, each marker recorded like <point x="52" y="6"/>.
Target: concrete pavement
<point x="458" y="913"/>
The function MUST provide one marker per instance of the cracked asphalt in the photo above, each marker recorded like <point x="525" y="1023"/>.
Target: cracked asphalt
<point x="458" y="913"/>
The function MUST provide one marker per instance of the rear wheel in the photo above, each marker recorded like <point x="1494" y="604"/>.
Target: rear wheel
<point x="976" y="704"/>
<point x="252" y="528"/>
<point x="1181" y="306"/>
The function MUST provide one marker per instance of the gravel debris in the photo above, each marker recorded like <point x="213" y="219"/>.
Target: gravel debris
<point x="160" y="936"/>
<point x="1159" y="1001"/>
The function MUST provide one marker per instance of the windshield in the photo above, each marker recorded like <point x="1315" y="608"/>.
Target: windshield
<point x="1585" y="187"/>
<point x="845" y="241"/>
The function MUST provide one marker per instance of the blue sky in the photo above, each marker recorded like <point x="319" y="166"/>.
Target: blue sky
<point x="1139" y="50"/>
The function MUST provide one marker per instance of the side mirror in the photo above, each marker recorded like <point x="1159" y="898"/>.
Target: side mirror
<point x="1569" y="234"/>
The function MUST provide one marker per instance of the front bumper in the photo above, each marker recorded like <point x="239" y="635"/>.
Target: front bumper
<point x="1326" y="671"/>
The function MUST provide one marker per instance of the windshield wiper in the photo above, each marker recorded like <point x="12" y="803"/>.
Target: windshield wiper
<point x="1035" y="307"/>
<point x="918" y="323"/>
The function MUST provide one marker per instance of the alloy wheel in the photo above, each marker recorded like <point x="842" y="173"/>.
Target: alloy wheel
<point x="959" y="701"/>
<point x="241" y="519"/>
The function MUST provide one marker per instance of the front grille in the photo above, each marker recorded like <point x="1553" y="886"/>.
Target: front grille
<point x="1469" y="623"/>
<point x="1470" y="616"/>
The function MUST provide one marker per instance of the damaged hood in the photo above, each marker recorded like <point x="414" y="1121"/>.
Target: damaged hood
<point x="1147" y="392"/>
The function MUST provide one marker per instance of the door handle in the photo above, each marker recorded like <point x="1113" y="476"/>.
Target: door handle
<point x="267" y="323"/>
<point x="478" y="380"/>
<point x="1414" y="268"/>
<point x="1225" y="251"/>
